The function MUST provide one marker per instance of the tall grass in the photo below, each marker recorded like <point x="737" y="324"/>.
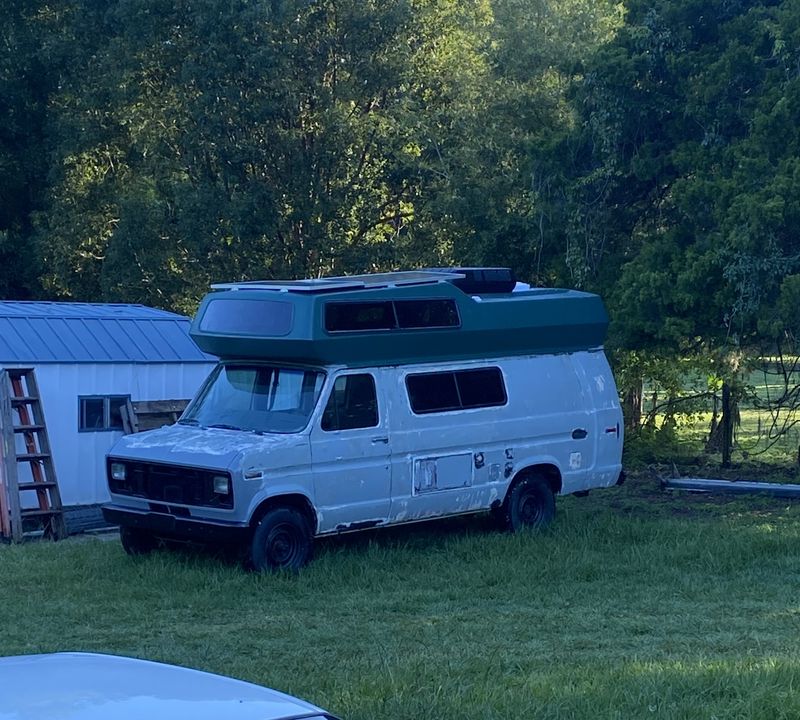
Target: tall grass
<point x="636" y="604"/>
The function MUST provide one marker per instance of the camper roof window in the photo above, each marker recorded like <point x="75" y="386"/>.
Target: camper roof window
<point x="252" y="317"/>
<point x="391" y="315"/>
<point x="412" y="314"/>
<point x="341" y="317"/>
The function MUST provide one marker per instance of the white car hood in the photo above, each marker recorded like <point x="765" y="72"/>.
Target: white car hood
<point x="211" y="448"/>
<point x="86" y="686"/>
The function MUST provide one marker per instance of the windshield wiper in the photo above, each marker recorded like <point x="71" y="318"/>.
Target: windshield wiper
<point x="223" y="426"/>
<point x="189" y="421"/>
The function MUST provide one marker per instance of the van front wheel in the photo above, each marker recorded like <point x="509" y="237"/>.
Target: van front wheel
<point x="531" y="504"/>
<point x="135" y="541"/>
<point x="281" y="541"/>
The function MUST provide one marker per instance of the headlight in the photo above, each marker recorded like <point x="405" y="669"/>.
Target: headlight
<point x="222" y="484"/>
<point x="118" y="471"/>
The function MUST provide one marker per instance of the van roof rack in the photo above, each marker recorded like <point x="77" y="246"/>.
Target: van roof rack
<point x="342" y="283"/>
<point x="480" y="280"/>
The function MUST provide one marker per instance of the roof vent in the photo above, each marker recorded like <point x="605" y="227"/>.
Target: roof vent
<point x="481" y="280"/>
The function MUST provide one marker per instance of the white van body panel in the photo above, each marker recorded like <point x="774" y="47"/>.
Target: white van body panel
<point x="594" y="374"/>
<point x="352" y="469"/>
<point x="474" y="454"/>
<point x="561" y="415"/>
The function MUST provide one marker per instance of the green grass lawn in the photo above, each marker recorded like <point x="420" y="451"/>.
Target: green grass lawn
<point x="636" y="604"/>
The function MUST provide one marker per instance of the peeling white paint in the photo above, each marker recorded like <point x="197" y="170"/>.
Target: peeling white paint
<point x="211" y="441"/>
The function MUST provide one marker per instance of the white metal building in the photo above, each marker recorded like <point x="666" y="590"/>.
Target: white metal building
<point x="89" y="359"/>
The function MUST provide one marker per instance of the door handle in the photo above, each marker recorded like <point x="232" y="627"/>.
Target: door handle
<point x="579" y="434"/>
<point x="384" y="440"/>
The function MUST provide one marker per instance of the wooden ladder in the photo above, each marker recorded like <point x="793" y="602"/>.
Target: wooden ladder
<point x="21" y="415"/>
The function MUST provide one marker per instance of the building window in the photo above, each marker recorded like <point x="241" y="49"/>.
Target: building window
<point x="101" y="412"/>
<point x="456" y="390"/>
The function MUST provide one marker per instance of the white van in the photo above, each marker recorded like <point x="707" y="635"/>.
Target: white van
<point x="358" y="402"/>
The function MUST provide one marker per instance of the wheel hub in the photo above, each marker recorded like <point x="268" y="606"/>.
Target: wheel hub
<point x="282" y="545"/>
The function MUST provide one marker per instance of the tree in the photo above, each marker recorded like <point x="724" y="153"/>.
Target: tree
<point x="690" y="153"/>
<point x="23" y="91"/>
<point x="198" y="143"/>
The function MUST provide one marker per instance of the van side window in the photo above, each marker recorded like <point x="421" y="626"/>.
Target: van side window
<point x="352" y="404"/>
<point x="456" y="390"/>
<point x="433" y="392"/>
<point x="481" y="388"/>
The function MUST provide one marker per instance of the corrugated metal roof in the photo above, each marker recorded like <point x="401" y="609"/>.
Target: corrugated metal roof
<point x="58" y="332"/>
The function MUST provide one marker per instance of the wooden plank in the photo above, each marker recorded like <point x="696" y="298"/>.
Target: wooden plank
<point x="144" y="407"/>
<point x="28" y="428"/>
<point x="128" y="416"/>
<point x="22" y="400"/>
<point x="39" y="513"/>
<point x="155" y="420"/>
<point x="38" y="486"/>
<point x="151" y="414"/>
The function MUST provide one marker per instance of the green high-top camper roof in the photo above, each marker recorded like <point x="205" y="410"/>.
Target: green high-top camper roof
<point x="396" y="319"/>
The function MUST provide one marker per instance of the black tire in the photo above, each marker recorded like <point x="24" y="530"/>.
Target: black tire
<point x="281" y="541"/>
<point x="136" y="542"/>
<point x="531" y="504"/>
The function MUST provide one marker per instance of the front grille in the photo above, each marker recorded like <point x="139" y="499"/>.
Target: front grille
<point x="169" y="484"/>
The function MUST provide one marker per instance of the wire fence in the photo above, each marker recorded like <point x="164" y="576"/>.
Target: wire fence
<point x="763" y="409"/>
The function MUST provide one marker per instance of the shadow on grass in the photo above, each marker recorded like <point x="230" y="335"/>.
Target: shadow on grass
<point x="414" y="536"/>
<point x="430" y="535"/>
<point x="616" y="519"/>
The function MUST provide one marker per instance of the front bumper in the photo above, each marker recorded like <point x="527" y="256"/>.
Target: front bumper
<point x="165" y="525"/>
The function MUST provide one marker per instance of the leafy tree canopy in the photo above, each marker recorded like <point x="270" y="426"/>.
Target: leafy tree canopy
<point x="691" y="143"/>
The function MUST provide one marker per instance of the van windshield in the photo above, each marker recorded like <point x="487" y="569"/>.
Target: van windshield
<point x="256" y="398"/>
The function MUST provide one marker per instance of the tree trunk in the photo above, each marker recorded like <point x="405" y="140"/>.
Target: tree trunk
<point x="720" y="438"/>
<point x="632" y="406"/>
<point x="727" y="425"/>
<point x="712" y="430"/>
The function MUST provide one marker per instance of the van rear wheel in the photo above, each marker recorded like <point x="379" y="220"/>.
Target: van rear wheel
<point x="281" y="541"/>
<point x="531" y="504"/>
